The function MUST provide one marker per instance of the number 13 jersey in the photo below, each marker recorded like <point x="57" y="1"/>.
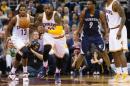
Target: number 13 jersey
<point x="91" y="24"/>
<point x="18" y="32"/>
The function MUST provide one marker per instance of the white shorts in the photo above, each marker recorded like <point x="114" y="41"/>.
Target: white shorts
<point x="115" y="44"/>
<point x="59" y="46"/>
<point x="18" y="42"/>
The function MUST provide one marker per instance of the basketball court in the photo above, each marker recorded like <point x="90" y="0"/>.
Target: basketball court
<point x="93" y="80"/>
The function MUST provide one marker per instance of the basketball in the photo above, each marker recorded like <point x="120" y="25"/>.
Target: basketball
<point x="24" y="22"/>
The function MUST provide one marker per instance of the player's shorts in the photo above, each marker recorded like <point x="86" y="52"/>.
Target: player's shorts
<point x="59" y="46"/>
<point x="87" y="41"/>
<point x="114" y="43"/>
<point x="19" y="42"/>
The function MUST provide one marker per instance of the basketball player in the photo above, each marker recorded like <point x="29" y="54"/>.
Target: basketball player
<point x="89" y="26"/>
<point x="19" y="26"/>
<point x="117" y="37"/>
<point x="54" y="38"/>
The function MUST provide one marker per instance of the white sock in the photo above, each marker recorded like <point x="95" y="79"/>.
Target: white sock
<point x="125" y="70"/>
<point x="45" y="64"/>
<point x="118" y="70"/>
<point x="57" y="70"/>
<point x="25" y="69"/>
<point x="13" y="70"/>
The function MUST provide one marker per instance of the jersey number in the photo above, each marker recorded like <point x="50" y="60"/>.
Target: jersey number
<point x="90" y="24"/>
<point x="23" y="32"/>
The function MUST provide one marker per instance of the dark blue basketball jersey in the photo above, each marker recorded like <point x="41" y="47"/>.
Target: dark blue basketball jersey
<point x="91" y="24"/>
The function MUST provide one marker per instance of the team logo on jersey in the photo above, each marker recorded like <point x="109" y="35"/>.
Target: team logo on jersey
<point x="49" y="24"/>
<point x="91" y="19"/>
<point x="109" y="12"/>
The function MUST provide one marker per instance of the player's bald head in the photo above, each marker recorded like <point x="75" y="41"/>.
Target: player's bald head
<point x="48" y="5"/>
<point x="48" y="8"/>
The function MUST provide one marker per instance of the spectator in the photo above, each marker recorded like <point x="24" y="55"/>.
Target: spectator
<point x="66" y="15"/>
<point x="96" y="63"/>
<point x="36" y="68"/>
<point x="34" y="64"/>
<point x="10" y="54"/>
<point x="20" y="2"/>
<point x="31" y="7"/>
<point x="4" y="7"/>
<point x="77" y="65"/>
<point x="77" y="10"/>
<point x="60" y="10"/>
<point x="74" y="28"/>
<point x="75" y="19"/>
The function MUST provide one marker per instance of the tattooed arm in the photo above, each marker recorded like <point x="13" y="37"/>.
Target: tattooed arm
<point x="57" y="19"/>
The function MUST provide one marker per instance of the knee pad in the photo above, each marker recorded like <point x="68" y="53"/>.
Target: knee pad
<point x="25" y="51"/>
<point x="47" y="49"/>
<point x="18" y="57"/>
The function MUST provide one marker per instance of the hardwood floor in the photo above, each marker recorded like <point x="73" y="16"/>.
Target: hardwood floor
<point x="67" y="81"/>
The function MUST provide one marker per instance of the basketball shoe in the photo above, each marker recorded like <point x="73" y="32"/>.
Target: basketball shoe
<point x="57" y="78"/>
<point x="116" y="78"/>
<point x="124" y="78"/>
<point x="13" y="77"/>
<point x="43" y="73"/>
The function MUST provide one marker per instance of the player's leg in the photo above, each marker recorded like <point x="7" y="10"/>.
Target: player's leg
<point x="115" y="46"/>
<point x="59" y="51"/>
<point x="12" y="74"/>
<point x="123" y="57"/>
<point x="48" y="44"/>
<point x="25" y="52"/>
<point x="22" y="53"/>
<point x="47" y="49"/>
<point x="59" y="65"/>
<point x="125" y="77"/>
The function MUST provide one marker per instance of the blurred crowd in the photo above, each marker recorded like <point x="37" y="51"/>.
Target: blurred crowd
<point x="70" y="12"/>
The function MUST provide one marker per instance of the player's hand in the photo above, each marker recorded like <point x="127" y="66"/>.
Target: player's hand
<point x="118" y="35"/>
<point x="106" y="38"/>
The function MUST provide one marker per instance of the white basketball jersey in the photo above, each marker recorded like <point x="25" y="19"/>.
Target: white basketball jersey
<point x="49" y="24"/>
<point x="113" y="18"/>
<point x="19" y="32"/>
